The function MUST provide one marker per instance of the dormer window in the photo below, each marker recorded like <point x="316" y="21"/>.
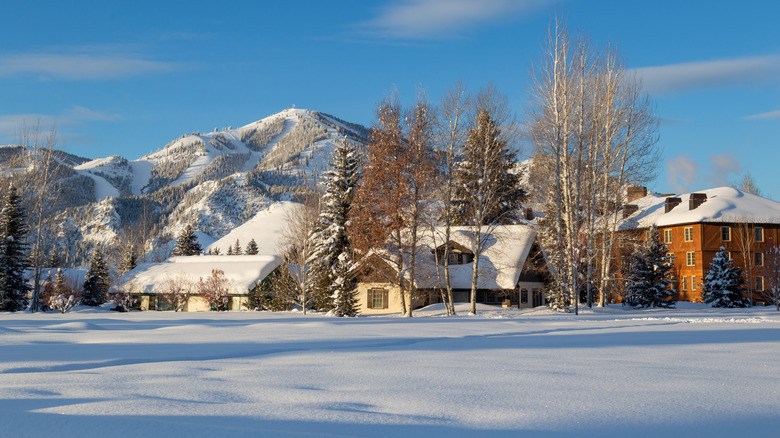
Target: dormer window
<point x="458" y="255"/>
<point x="460" y="258"/>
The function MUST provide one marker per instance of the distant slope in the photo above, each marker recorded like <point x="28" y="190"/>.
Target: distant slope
<point x="215" y="181"/>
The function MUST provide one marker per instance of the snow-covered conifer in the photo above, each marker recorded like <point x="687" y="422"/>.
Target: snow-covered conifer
<point x="331" y="260"/>
<point x="187" y="243"/>
<point x="649" y="277"/>
<point x="96" y="281"/>
<point x="722" y="283"/>
<point x="13" y="260"/>
<point x="251" y="247"/>
<point x="237" y="248"/>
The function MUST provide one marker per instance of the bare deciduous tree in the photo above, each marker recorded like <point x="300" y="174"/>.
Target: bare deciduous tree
<point x="451" y="135"/>
<point x="771" y="271"/>
<point x="297" y="245"/>
<point x="176" y="290"/>
<point x="214" y="289"/>
<point x="595" y="133"/>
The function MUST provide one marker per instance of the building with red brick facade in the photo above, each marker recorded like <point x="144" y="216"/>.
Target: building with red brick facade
<point x="695" y="225"/>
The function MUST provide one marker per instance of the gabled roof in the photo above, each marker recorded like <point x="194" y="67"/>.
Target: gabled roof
<point x="723" y="205"/>
<point x="244" y="271"/>
<point x="500" y="265"/>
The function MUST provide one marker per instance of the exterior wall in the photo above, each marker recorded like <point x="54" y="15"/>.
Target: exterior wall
<point x="393" y="295"/>
<point x="535" y="294"/>
<point x="194" y="304"/>
<point x="707" y="240"/>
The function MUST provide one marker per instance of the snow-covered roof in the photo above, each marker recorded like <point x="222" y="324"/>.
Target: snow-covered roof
<point x="723" y="204"/>
<point x="244" y="271"/>
<point x="500" y="265"/>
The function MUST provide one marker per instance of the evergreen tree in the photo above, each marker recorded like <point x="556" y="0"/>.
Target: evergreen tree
<point x="251" y="247"/>
<point x="187" y="243"/>
<point x="344" y="286"/>
<point x="488" y="192"/>
<point x="96" y="282"/>
<point x="722" y="283"/>
<point x="649" y="276"/>
<point x="230" y="250"/>
<point x="13" y="260"/>
<point x="331" y="260"/>
<point x="237" y="248"/>
<point x="54" y="260"/>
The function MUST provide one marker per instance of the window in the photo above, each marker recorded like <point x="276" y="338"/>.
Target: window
<point x="725" y="234"/>
<point x="377" y="299"/>
<point x="667" y="236"/>
<point x="759" y="283"/>
<point x="524" y="296"/>
<point x="690" y="258"/>
<point x="688" y="234"/>
<point x="693" y="282"/>
<point x="684" y="283"/>
<point x="759" y="234"/>
<point x="758" y="258"/>
<point x="459" y="258"/>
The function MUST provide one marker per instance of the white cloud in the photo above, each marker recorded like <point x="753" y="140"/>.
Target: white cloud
<point x="684" y="174"/>
<point x="690" y="76"/>
<point x="80" y="66"/>
<point x="440" y="19"/>
<point x="681" y="173"/>
<point x="722" y="166"/>
<point x="769" y="115"/>
<point x="68" y="120"/>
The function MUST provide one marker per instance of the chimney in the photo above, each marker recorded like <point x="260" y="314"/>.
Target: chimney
<point x="528" y="213"/>
<point x="696" y="200"/>
<point x="671" y="203"/>
<point x="629" y="209"/>
<point x="635" y="192"/>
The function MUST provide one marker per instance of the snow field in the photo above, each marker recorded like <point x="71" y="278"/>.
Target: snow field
<point x="693" y="371"/>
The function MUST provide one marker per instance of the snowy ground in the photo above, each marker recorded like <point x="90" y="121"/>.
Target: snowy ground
<point x="608" y="372"/>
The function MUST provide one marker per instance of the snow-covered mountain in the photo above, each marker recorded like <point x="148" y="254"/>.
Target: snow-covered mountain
<point x="215" y="181"/>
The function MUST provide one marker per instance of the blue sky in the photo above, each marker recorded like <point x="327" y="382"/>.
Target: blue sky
<point x="128" y="77"/>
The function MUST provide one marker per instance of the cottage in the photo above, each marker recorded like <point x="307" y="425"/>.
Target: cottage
<point x="148" y="280"/>
<point x="509" y="271"/>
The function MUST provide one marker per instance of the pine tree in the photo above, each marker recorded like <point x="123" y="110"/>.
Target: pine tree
<point x="331" y="260"/>
<point x="344" y="286"/>
<point x="722" y="283"/>
<point x="237" y="248"/>
<point x="187" y="243"/>
<point x="649" y="277"/>
<point x="96" y="281"/>
<point x="488" y="191"/>
<point x="251" y="247"/>
<point x="13" y="260"/>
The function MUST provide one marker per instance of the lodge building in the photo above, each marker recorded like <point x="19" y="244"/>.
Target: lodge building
<point x="695" y="225"/>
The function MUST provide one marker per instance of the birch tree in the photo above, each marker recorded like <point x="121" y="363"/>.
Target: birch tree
<point x="595" y="133"/>
<point x="297" y="245"/>
<point x="451" y="135"/>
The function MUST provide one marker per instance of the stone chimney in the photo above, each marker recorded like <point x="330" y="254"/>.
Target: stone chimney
<point x="696" y="200"/>
<point x="635" y="192"/>
<point x="671" y="203"/>
<point x="629" y="209"/>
